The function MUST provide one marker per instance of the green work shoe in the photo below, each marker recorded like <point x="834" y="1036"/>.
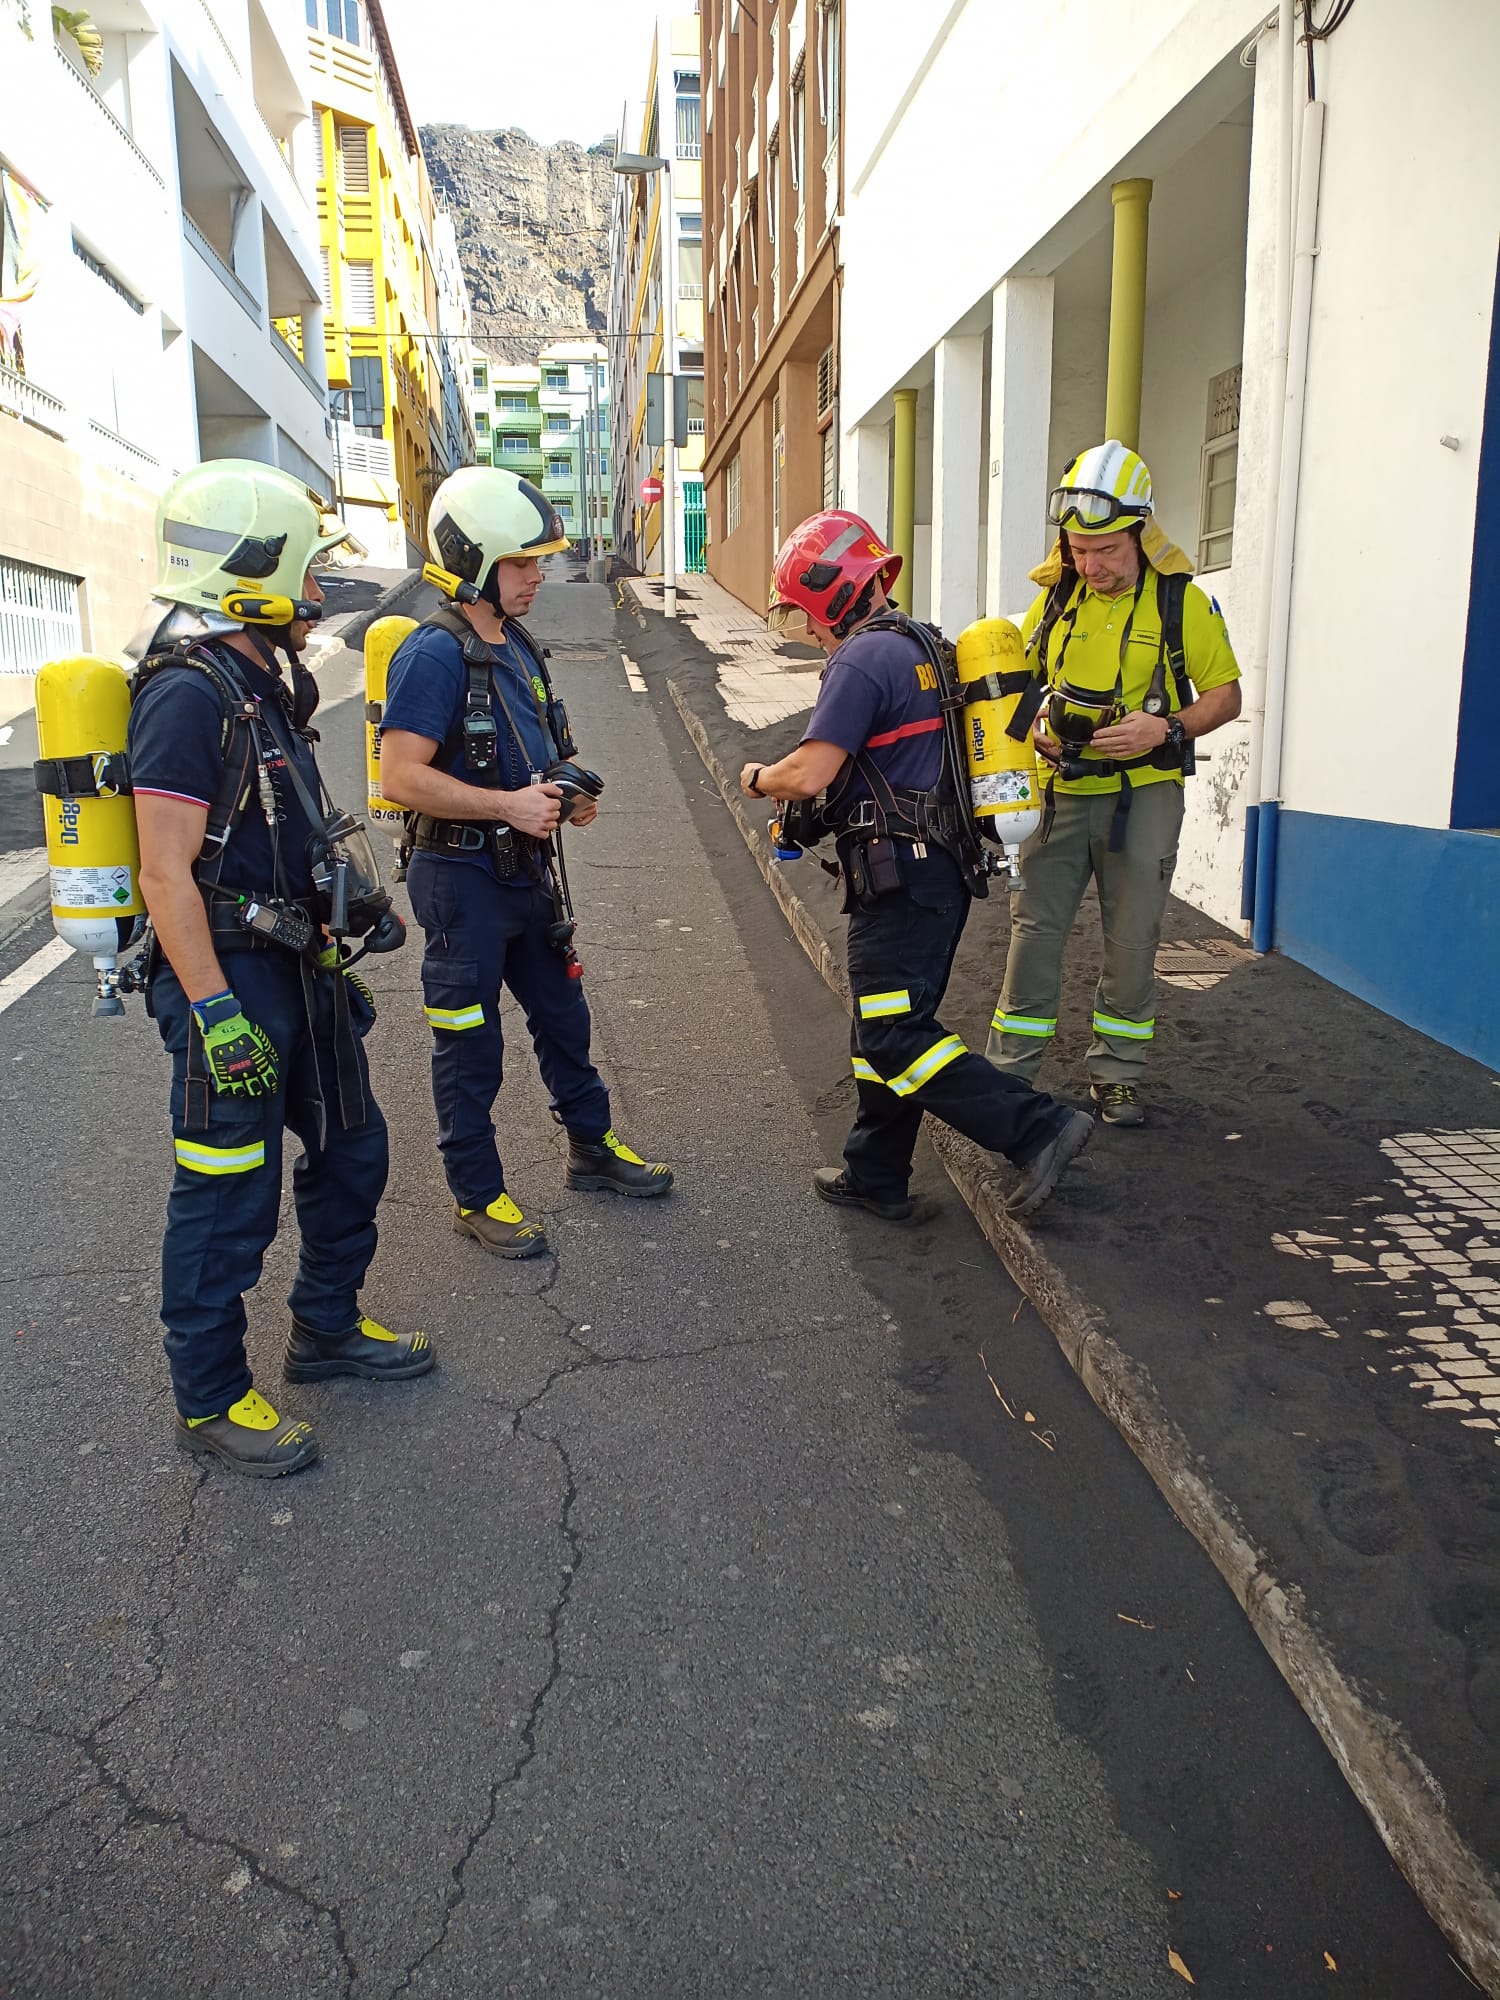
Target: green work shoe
<point x="1119" y="1103"/>
<point x="595" y="1164"/>
<point x="368" y="1350"/>
<point x="251" y="1438"/>
<point x="501" y="1229"/>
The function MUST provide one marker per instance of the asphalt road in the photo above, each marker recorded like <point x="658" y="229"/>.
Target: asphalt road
<point x="703" y="1626"/>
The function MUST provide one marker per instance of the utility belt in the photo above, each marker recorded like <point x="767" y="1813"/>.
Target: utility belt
<point x="1163" y="759"/>
<point x="511" y="853"/>
<point x="242" y="920"/>
<point x="867" y="837"/>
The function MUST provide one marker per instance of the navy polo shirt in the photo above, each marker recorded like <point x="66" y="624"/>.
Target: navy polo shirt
<point x="426" y="694"/>
<point x="176" y="752"/>
<point x="876" y="698"/>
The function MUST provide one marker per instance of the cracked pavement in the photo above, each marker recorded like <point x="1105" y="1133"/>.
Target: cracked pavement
<point x="692" y="1629"/>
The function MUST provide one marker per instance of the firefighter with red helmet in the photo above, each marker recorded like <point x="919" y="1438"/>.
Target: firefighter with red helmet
<point x="875" y="770"/>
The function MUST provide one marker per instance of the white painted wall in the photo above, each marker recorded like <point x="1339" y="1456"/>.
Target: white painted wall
<point x="1403" y="297"/>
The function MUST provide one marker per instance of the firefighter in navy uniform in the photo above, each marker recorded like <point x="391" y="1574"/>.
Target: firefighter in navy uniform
<point x="261" y="1019"/>
<point x="877" y="742"/>
<point x="469" y="732"/>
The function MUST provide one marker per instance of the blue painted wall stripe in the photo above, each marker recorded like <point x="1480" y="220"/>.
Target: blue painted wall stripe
<point x="1476" y="770"/>
<point x="1405" y="917"/>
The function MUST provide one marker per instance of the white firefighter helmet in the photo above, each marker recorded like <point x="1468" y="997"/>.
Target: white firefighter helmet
<point x="482" y="515"/>
<point x="235" y="539"/>
<point x="1103" y="491"/>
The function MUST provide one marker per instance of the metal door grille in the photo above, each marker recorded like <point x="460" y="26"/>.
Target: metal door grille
<point x="39" y="618"/>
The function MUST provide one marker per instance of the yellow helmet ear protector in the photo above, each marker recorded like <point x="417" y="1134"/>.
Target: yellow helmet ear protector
<point x="249" y="607"/>
<point x="450" y="585"/>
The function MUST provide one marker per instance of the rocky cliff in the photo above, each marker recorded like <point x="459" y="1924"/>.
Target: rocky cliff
<point x="533" y="234"/>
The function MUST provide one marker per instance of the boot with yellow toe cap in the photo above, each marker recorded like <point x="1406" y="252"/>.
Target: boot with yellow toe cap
<point x="251" y="1437"/>
<point x="367" y="1350"/>
<point x="501" y="1229"/>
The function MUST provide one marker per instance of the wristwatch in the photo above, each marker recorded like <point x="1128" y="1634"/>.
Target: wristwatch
<point x="1176" y="734"/>
<point x="755" y="789"/>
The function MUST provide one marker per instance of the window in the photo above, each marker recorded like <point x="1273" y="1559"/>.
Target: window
<point x="342" y="17"/>
<point x="481" y="424"/>
<point x="828" y="70"/>
<point x="367" y="382"/>
<point x="514" y="406"/>
<point x="514" y="447"/>
<point x="689" y="134"/>
<point x="1220" y="466"/>
<point x="359" y="294"/>
<point x="564" y="507"/>
<point x="481" y="376"/>
<point x="354" y="152"/>
<point x="689" y="269"/>
<point x="732" y="496"/>
<point x="558" y="421"/>
<point x="312" y="14"/>
<point x="555" y="378"/>
<point x="39" y="618"/>
<point x="559" y="468"/>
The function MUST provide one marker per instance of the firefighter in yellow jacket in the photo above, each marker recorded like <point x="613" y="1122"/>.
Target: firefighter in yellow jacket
<point x="1133" y="665"/>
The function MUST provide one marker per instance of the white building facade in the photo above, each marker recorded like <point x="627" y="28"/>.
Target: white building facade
<point x="160" y="230"/>
<point x="1318" y="395"/>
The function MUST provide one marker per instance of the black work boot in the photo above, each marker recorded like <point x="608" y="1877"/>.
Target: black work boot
<point x="1041" y="1175"/>
<point x="368" y="1350"/>
<point x="501" y="1229"/>
<point x="251" y="1438"/>
<point x="833" y="1184"/>
<point x="1119" y="1103"/>
<point x="605" y="1163"/>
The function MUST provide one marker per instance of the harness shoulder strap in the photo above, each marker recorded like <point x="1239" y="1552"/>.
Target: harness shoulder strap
<point x="1029" y="707"/>
<point x="1171" y="596"/>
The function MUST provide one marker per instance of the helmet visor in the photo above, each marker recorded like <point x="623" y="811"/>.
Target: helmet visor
<point x="1091" y="512"/>
<point x="786" y="618"/>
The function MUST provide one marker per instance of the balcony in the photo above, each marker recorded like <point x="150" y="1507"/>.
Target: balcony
<point x="527" y="421"/>
<point x="104" y="112"/>
<point x="124" y="457"/>
<point x="229" y="279"/>
<point x="559" y="486"/>
<point x="23" y="398"/>
<point x="527" y="463"/>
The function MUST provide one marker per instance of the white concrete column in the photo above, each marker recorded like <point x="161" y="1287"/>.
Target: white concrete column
<point x="248" y="251"/>
<point x="957" y="415"/>
<point x="1020" y="423"/>
<point x="865" y="485"/>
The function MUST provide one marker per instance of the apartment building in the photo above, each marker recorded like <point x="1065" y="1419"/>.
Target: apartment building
<point x="772" y="205"/>
<point x="536" y="419"/>
<point x="158" y="287"/>
<point x="1202" y="255"/>
<point x="656" y="301"/>
<point x="381" y="314"/>
<point x="455" y="346"/>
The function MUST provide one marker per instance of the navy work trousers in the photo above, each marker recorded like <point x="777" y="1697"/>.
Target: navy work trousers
<point x="483" y="934"/>
<point x="901" y="951"/>
<point x="226" y="1193"/>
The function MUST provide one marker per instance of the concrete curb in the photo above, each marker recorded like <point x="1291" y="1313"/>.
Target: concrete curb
<point x="1390" y="1781"/>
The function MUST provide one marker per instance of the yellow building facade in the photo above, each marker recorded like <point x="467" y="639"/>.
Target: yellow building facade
<point x="375" y="217"/>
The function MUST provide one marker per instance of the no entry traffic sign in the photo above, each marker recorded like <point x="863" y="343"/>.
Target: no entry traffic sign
<point x="650" y="490"/>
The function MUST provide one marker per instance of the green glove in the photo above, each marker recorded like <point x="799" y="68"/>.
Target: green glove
<point x="328" y="960"/>
<point x="241" y="1057"/>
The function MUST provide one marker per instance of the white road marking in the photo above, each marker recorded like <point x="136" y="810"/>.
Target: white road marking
<point x="19" y="869"/>
<point x="20" y="982"/>
<point x="634" y="675"/>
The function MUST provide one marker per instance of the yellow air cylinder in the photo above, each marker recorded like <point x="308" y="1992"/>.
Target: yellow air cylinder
<point x="82" y="713"/>
<point x="1004" y="789"/>
<point x="381" y="641"/>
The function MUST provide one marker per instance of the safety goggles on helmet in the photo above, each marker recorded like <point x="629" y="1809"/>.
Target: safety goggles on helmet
<point x="787" y="618"/>
<point x="1089" y="512"/>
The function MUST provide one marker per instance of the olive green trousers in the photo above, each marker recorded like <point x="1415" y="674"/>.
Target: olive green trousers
<point x="1133" y="888"/>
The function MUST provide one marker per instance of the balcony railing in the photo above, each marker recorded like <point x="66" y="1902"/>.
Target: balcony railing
<point x="367" y="456"/>
<point x="295" y="362"/>
<point x="126" y="458"/>
<point x="528" y="463"/>
<point x="23" y="398"/>
<point x="529" y="421"/>
<point x="690" y="291"/>
<point x="103" y="109"/>
<point x="555" y="483"/>
<point x="231" y="280"/>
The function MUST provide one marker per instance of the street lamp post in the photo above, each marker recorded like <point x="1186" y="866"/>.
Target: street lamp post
<point x="655" y="163"/>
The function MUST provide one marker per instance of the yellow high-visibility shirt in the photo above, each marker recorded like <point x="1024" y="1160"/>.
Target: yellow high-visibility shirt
<point x="1093" y="658"/>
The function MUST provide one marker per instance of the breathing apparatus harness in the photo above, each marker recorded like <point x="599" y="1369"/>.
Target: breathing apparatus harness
<point x="478" y="735"/>
<point x="348" y="901"/>
<point x="939" y="817"/>
<point x="1067" y="706"/>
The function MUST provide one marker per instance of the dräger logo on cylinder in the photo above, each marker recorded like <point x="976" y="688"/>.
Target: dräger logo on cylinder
<point x="69" y="828"/>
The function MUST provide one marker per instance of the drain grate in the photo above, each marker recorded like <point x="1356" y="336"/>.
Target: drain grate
<point x="1195" y="967"/>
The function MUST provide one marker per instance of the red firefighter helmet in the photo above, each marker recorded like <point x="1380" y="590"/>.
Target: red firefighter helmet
<point x="824" y="570"/>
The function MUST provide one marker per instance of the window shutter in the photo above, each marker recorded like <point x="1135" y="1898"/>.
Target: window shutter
<point x="825" y="381"/>
<point x="354" y="146"/>
<point x="327" y="278"/>
<point x="360" y="294"/>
